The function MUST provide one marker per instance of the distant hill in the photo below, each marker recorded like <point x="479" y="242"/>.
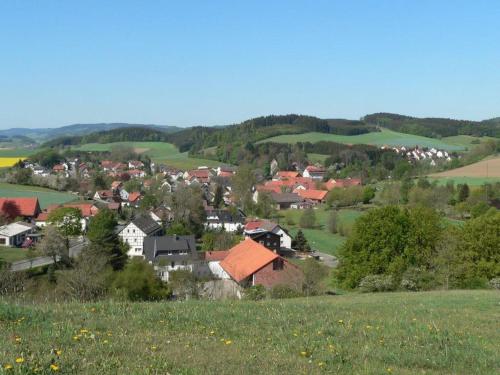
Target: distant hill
<point x="434" y="127"/>
<point x="45" y="134"/>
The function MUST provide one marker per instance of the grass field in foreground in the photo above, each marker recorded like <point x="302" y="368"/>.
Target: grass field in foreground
<point x="452" y="332"/>
<point x="45" y="196"/>
<point x="160" y="152"/>
<point x="384" y="137"/>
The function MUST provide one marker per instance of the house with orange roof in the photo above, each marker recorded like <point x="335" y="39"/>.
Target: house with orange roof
<point x="314" y="172"/>
<point x="134" y="198"/>
<point x="27" y="207"/>
<point x="249" y="263"/>
<point x="342" y="183"/>
<point x="316" y="196"/>
<point x="285" y="174"/>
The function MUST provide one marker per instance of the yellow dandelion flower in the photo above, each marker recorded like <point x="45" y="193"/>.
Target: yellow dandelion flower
<point x="19" y="360"/>
<point x="84" y="331"/>
<point x="341" y="321"/>
<point x="368" y="327"/>
<point x="17" y="339"/>
<point x="58" y="352"/>
<point x="212" y="332"/>
<point x="76" y="338"/>
<point x="8" y="366"/>
<point x="54" y="367"/>
<point x="389" y="370"/>
<point x="153" y="347"/>
<point x="321" y="364"/>
<point x="228" y="342"/>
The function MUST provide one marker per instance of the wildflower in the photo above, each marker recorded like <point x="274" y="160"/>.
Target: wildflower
<point x="84" y="331"/>
<point x="228" y="342"/>
<point x="93" y="309"/>
<point x="321" y="364"/>
<point x="368" y="327"/>
<point x="389" y="370"/>
<point x="17" y="339"/>
<point x="54" y="367"/>
<point x="19" y="360"/>
<point x="76" y="338"/>
<point x="341" y="321"/>
<point x="212" y="332"/>
<point x="58" y="352"/>
<point x="8" y="366"/>
<point x="153" y="347"/>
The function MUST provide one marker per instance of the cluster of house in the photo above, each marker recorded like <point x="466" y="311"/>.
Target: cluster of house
<point x="260" y="259"/>
<point x="417" y="153"/>
<point x="292" y="189"/>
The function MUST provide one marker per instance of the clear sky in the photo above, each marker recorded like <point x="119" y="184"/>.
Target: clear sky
<point x="217" y="62"/>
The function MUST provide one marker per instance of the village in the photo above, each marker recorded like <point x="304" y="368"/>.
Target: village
<point x="261" y="248"/>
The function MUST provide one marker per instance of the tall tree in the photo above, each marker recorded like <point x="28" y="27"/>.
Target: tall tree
<point x="463" y="192"/>
<point x="53" y="245"/>
<point x="218" y="196"/>
<point x="243" y="182"/>
<point x="68" y="220"/>
<point x="300" y="242"/>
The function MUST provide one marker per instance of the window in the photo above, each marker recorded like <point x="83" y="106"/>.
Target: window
<point x="2" y="241"/>
<point x="172" y="264"/>
<point x="278" y="264"/>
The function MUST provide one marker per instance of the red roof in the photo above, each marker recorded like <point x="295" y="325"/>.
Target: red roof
<point x="13" y="207"/>
<point x="216" y="256"/>
<point x="58" y="167"/>
<point x="246" y="258"/>
<point x="226" y="174"/>
<point x="135" y="172"/>
<point x="87" y="209"/>
<point x="340" y="183"/>
<point x="254" y="224"/>
<point x="134" y="196"/>
<point x="42" y="216"/>
<point x="317" y="195"/>
<point x="199" y="173"/>
<point x="284" y="174"/>
<point x="313" y="168"/>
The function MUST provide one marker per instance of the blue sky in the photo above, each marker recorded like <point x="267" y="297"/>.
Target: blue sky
<point x="219" y="62"/>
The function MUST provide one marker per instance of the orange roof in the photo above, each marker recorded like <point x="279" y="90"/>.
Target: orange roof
<point x="342" y="182"/>
<point x="215" y="256"/>
<point x="287" y="174"/>
<point x="13" y="207"/>
<point x="317" y="195"/>
<point x="133" y="196"/>
<point x="87" y="209"/>
<point x="246" y="258"/>
<point x="116" y="184"/>
<point x="254" y="224"/>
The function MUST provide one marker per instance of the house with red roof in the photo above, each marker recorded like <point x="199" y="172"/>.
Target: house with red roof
<point x="314" y="172"/>
<point x="280" y="175"/>
<point x="135" y="164"/>
<point x="87" y="211"/>
<point x="134" y="198"/>
<point x="316" y="196"/>
<point x="136" y="173"/>
<point x="249" y="263"/>
<point x="27" y="208"/>
<point x="342" y="183"/>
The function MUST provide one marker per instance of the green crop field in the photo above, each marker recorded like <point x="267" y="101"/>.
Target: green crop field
<point x="320" y="238"/>
<point x="466" y="140"/>
<point x="45" y="196"/>
<point x="15" y="152"/>
<point x="384" y="137"/>
<point x="160" y="152"/>
<point x="471" y="181"/>
<point x="447" y="332"/>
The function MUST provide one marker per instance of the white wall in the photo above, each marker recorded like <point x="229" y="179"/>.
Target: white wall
<point x="134" y="237"/>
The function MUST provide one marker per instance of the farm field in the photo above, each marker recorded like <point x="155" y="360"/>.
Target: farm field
<point x="384" y="137"/>
<point x="487" y="168"/>
<point x="9" y="161"/>
<point x="160" y="152"/>
<point x="442" y="332"/>
<point x="12" y="254"/>
<point x="45" y="196"/>
<point x="466" y="140"/>
<point x="320" y="238"/>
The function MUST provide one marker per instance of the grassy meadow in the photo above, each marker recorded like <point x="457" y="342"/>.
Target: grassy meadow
<point x="45" y="196"/>
<point x="319" y="237"/>
<point x="384" y="137"/>
<point x="160" y="152"/>
<point x="454" y="332"/>
<point x="12" y="254"/>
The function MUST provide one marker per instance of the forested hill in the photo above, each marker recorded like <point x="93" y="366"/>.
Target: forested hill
<point x="434" y="127"/>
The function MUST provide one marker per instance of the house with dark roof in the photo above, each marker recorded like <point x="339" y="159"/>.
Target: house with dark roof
<point x="285" y="200"/>
<point x="269" y="226"/>
<point x="134" y="233"/>
<point x="27" y="208"/>
<point x="225" y="219"/>
<point x="250" y="263"/>
<point x="269" y="239"/>
<point x="171" y="253"/>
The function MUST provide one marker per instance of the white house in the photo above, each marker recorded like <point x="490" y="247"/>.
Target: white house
<point x="134" y="233"/>
<point x="14" y="234"/>
<point x="285" y="238"/>
<point x="224" y="219"/>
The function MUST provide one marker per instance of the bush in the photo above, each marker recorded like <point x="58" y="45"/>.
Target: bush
<point x="308" y="219"/>
<point x="138" y="282"/>
<point x="376" y="283"/>
<point x="284" y="291"/>
<point x="416" y="278"/>
<point x="332" y="222"/>
<point x="495" y="283"/>
<point x="255" y="293"/>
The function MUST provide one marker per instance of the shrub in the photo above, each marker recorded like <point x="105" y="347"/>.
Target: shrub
<point x="255" y="293"/>
<point x="376" y="283"/>
<point x="308" y="219"/>
<point x="416" y="278"/>
<point x="332" y="222"/>
<point x="284" y="291"/>
<point x="495" y="283"/>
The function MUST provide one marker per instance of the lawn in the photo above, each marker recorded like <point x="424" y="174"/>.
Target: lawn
<point x="393" y="333"/>
<point x="320" y="238"/>
<point x="467" y="141"/>
<point x="384" y="137"/>
<point x="12" y="254"/>
<point x="19" y="153"/>
<point x="45" y="196"/>
<point x="471" y="181"/>
<point x="160" y="152"/>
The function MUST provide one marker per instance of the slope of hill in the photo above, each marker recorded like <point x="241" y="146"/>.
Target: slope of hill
<point x="383" y="137"/>
<point x="487" y="168"/>
<point x="401" y="333"/>
<point x="44" y="134"/>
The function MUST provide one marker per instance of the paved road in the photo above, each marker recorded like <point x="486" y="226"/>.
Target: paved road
<point x="23" y="265"/>
<point x="328" y="259"/>
<point x="76" y="247"/>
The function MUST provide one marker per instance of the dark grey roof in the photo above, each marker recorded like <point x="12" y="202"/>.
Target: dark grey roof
<point x="286" y="197"/>
<point x="170" y="248"/>
<point x="146" y="224"/>
<point x="225" y="216"/>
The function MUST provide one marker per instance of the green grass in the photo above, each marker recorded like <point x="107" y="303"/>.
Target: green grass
<point x="466" y="140"/>
<point x="160" y="152"/>
<point x="320" y="238"/>
<point x="15" y="152"/>
<point x="316" y="158"/>
<point x="384" y="137"/>
<point x="12" y="254"/>
<point x="452" y="332"/>
<point x="471" y="181"/>
<point x="45" y="196"/>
